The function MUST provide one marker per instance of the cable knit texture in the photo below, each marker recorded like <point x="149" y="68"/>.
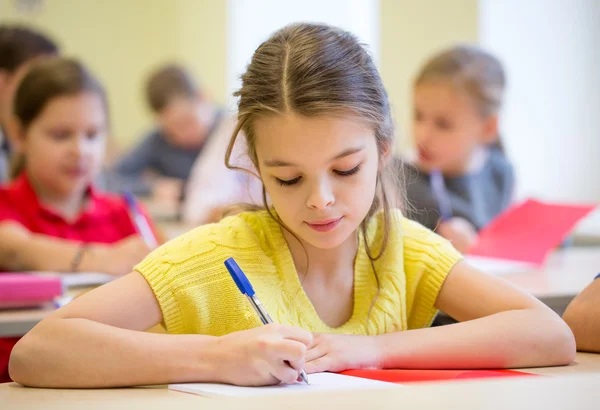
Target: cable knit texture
<point x="197" y="295"/>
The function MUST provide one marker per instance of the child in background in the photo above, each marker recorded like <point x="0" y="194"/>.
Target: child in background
<point x="319" y="131"/>
<point x="19" y="46"/>
<point x="51" y="218"/>
<point x="457" y="98"/>
<point x="214" y="189"/>
<point x="187" y="121"/>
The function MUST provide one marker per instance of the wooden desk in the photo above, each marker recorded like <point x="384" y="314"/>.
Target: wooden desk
<point x="577" y="388"/>
<point x="17" y="322"/>
<point x="567" y="272"/>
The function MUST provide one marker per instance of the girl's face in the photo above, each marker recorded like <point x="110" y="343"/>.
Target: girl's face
<point x="64" y="146"/>
<point x="447" y="128"/>
<point x="320" y="174"/>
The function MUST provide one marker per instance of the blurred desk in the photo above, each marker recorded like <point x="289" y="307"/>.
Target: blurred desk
<point x="566" y="273"/>
<point x="17" y="322"/>
<point x="162" y="211"/>
<point x="587" y="232"/>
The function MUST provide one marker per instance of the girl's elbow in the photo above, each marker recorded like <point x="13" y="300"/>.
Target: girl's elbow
<point x="19" y="368"/>
<point x="24" y="365"/>
<point x="563" y="346"/>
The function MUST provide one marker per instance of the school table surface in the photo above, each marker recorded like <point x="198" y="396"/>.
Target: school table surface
<point x="567" y="272"/>
<point x="569" y="387"/>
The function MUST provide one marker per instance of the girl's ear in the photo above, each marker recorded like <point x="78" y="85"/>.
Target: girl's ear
<point x="385" y="155"/>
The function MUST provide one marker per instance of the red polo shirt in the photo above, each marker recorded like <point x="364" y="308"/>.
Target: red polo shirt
<point x="105" y="219"/>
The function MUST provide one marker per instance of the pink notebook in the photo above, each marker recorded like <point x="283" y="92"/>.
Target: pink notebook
<point x="529" y="231"/>
<point x="26" y="289"/>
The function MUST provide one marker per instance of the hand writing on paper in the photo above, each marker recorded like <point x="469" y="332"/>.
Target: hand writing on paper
<point x="335" y="353"/>
<point x="264" y="355"/>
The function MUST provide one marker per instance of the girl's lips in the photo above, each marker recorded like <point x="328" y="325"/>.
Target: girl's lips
<point x="325" y="225"/>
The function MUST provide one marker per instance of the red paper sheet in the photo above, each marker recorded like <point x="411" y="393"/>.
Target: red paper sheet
<point x="528" y="232"/>
<point x="417" y="376"/>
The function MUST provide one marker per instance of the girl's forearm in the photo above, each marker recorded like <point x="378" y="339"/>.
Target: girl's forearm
<point x="80" y="353"/>
<point x="511" y="339"/>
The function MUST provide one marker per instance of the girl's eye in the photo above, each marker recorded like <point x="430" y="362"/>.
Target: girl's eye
<point x="288" y="182"/>
<point x="60" y="135"/>
<point x="443" y="124"/>
<point x="349" y="172"/>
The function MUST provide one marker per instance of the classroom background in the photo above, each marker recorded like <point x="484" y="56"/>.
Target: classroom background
<point x="549" y="49"/>
<point x="549" y="129"/>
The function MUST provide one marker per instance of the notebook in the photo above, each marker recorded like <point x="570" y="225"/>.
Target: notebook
<point x="319" y="382"/>
<point x="81" y="279"/>
<point x="19" y="290"/>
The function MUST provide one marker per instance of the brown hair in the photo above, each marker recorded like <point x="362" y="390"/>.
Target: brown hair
<point x="471" y="69"/>
<point x="19" y="44"/>
<point x="167" y="83"/>
<point x="49" y="79"/>
<point x="316" y="70"/>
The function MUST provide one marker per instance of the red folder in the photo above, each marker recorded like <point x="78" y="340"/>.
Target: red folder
<point x="529" y="231"/>
<point x="418" y="376"/>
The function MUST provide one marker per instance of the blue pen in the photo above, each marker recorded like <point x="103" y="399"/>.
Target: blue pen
<point x="438" y="186"/>
<point x="140" y="221"/>
<point x="246" y="288"/>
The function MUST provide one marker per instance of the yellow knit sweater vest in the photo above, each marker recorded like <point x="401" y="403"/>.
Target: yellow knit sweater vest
<point x="197" y="295"/>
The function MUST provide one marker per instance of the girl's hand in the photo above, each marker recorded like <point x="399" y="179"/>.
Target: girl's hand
<point x="336" y="353"/>
<point x="460" y="232"/>
<point x="265" y="355"/>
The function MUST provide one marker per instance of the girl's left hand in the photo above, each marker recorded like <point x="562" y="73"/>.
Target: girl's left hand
<point x="335" y="353"/>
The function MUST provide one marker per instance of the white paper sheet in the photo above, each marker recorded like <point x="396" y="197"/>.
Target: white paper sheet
<point x="318" y="382"/>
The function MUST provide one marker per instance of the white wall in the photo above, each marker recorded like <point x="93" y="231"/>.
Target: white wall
<point x="551" y="121"/>
<point x="253" y="21"/>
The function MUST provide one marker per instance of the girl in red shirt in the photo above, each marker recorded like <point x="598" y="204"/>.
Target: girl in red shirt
<point x="51" y="218"/>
